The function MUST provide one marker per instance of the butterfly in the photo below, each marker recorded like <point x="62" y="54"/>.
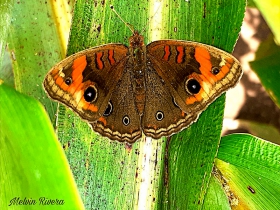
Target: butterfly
<point x="156" y="89"/>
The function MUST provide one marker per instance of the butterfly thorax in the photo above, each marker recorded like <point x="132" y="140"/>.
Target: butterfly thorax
<point x="137" y="65"/>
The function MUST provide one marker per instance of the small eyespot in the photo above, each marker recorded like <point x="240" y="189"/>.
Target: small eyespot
<point x="159" y="115"/>
<point x="192" y="86"/>
<point x="109" y="109"/>
<point x="90" y="94"/>
<point x="215" y="70"/>
<point x="68" y="81"/>
<point x="126" y="120"/>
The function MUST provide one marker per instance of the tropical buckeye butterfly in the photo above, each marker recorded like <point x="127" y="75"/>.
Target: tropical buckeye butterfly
<point x="157" y="89"/>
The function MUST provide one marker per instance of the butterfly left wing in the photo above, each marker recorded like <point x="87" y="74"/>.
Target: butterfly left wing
<point x="196" y="74"/>
<point x="85" y="81"/>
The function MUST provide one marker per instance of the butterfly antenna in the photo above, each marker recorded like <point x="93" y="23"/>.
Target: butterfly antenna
<point x="127" y="24"/>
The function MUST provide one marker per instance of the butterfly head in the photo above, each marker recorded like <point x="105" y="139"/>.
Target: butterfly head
<point x="136" y="40"/>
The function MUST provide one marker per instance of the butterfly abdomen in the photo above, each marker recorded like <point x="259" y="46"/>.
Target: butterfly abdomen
<point x="139" y="95"/>
<point x="138" y="86"/>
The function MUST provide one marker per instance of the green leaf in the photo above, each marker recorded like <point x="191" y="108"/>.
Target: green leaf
<point x="251" y="3"/>
<point x="270" y="11"/>
<point x="190" y="159"/>
<point x="262" y="130"/>
<point x="32" y="162"/>
<point x="34" y="44"/>
<point x="251" y="166"/>
<point x="5" y="18"/>
<point x="267" y="67"/>
<point x="6" y="73"/>
<point x="216" y="197"/>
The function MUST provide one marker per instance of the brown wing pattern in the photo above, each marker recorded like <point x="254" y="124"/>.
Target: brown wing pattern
<point x="183" y="78"/>
<point x="162" y="116"/>
<point x="85" y="81"/>
<point x="121" y="120"/>
<point x="195" y="74"/>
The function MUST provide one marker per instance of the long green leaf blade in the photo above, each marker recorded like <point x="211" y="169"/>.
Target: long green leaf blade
<point x="32" y="163"/>
<point x="251" y="166"/>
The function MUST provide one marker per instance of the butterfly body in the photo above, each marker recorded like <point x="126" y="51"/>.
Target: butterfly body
<point x="137" y="67"/>
<point x="157" y="89"/>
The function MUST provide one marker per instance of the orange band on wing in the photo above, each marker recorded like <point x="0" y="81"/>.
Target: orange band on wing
<point x="180" y="55"/>
<point x="103" y="120"/>
<point x="195" y="98"/>
<point x="78" y="67"/>
<point x="99" y="61"/>
<point x="204" y="59"/>
<point x="166" y="52"/>
<point x="60" y="82"/>
<point x="111" y="57"/>
<point x="79" y="64"/>
<point x="92" y="108"/>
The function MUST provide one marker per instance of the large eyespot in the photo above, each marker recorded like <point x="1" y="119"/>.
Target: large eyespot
<point x="192" y="86"/>
<point x="109" y="109"/>
<point x="215" y="70"/>
<point x="90" y="94"/>
<point x="159" y="115"/>
<point x="68" y="81"/>
<point x="126" y="120"/>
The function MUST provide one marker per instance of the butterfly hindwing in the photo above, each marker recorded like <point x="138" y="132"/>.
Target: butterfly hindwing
<point x="121" y="121"/>
<point x="162" y="116"/>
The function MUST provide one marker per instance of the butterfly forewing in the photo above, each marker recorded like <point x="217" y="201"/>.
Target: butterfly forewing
<point x="195" y="74"/>
<point x="84" y="80"/>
